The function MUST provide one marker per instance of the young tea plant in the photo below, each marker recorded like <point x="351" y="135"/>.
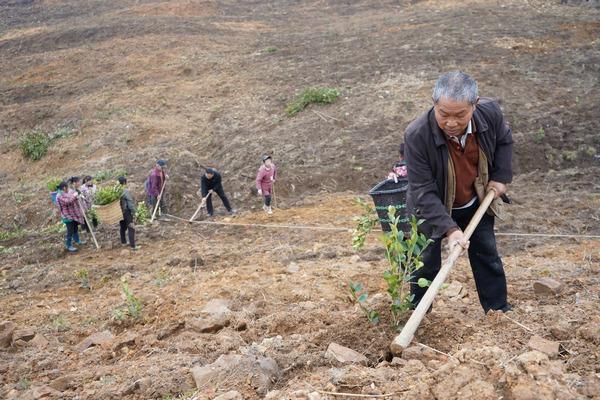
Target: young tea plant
<point x="84" y="276"/>
<point x="403" y="253"/>
<point x="133" y="304"/>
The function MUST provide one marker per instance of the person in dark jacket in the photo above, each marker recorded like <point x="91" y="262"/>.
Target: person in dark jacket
<point x="128" y="209"/>
<point x="211" y="181"/>
<point x="455" y="152"/>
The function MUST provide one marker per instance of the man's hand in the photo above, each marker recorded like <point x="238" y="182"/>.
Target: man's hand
<point x="260" y="192"/>
<point x="497" y="187"/>
<point x="457" y="238"/>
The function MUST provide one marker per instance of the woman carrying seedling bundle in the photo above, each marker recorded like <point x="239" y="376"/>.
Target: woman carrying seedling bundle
<point x="265" y="178"/>
<point x="71" y="214"/>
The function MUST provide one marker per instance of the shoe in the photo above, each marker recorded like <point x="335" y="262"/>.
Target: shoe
<point x="209" y="214"/>
<point x="508" y="307"/>
<point x="136" y="248"/>
<point x="81" y="242"/>
<point x="71" y="249"/>
<point x="232" y="212"/>
<point x="123" y="243"/>
<point x="269" y="210"/>
<point x="265" y="208"/>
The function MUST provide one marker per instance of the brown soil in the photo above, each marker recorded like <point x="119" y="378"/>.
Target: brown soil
<point x="192" y="81"/>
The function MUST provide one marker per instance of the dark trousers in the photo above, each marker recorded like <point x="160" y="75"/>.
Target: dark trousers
<point x="268" y="200"/>
<point x="483" y="257"/>
<point x="72" y="233"/>
<point x="94" y="222"/>
<point x="151" y="203"/>
<point x="126" y="224"/>
<point x="218" y="190"/>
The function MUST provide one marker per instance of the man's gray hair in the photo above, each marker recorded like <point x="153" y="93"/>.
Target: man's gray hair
<point x="456" y="86"/>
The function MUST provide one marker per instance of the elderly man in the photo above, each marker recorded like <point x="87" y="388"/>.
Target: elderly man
<point x="455" y="152"/>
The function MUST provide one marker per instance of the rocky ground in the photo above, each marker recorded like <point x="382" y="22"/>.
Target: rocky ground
<point x="244" y="311"/>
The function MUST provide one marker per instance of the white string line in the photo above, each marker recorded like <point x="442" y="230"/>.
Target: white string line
<point x="340" y="229"/>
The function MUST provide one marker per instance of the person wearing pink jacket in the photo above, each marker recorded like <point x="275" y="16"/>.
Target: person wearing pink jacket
<point x="267" y="174"/>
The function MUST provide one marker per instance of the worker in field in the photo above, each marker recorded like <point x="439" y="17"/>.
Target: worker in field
<point x="211" y="180"/>
<point x="154" y="186"/>
<point x="455" y="152"/>
<point x="265" y="179"/>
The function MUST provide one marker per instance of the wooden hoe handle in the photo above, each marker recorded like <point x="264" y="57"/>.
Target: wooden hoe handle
<point x="406" y="335"/>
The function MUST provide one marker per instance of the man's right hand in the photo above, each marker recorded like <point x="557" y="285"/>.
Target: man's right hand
<point x="457" y="238"/>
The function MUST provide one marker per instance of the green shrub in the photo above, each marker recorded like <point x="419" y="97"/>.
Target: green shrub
<point x="108" y="194"/>
<point x="53" y="183"/>
<point x="311" y="95"/>
<point x="34" y="144"/>
<point x="109" y="174"/>
<point x="271" y="50"/>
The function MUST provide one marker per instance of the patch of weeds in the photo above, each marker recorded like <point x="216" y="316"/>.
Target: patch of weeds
<point x="60" y="324"/>
<point x="404" y="254"/>
<point x="551" y="154"/>
<point x="16" y="233"/>
<point x="6" y="250"/>
<point x="539" y="135"/>
<point x="587" y="150"/>
<point x="18" y="197"/>
<point x="271" y="50"/>
<point x="59" y="227"/>
<point x="545" y="272"/>
<point x="162" y="277"/>
<point x="569" y="155"/>
<point x="61" y="133"/>
<point x="23" y="384"/>
<point x="84" y="278"/>
<point x="34" y="144"/>
<point x="133" y="305"/>
<point x="309" y="96"/>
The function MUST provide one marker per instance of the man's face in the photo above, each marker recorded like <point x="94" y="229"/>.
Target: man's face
<point x="268" y="163"/>
<point x="159" y="167"/>
<point x="453" y="116"/>
<point x="209" y="175"/>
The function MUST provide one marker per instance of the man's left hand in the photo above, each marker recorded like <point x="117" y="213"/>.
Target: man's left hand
<point x="497" y="187"/>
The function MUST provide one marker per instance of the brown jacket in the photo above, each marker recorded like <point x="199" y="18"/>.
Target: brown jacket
<point x="430" y="173"/>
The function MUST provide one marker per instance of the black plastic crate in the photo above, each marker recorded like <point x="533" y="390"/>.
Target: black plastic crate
<point x="391" y="193"/>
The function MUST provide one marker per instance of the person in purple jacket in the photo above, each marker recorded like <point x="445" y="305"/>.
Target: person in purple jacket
<point x="265" y="178"/>
<point x="154" y="185"/>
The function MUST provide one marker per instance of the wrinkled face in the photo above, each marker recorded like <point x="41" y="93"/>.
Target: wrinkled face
<point x="209" y="175"/>
<point x="453" y="116"/>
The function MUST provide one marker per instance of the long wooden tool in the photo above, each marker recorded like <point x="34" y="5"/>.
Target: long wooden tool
<point x="406" y="335"/>
<point x="202" y="204"/>
<point x="88" y="224"/>
<point x="158" y="201"/>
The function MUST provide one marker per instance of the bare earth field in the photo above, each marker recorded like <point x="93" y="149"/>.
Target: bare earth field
<point x="255" y="309"/>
